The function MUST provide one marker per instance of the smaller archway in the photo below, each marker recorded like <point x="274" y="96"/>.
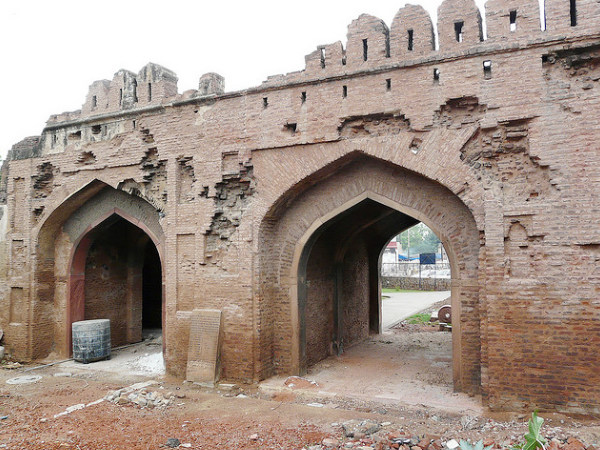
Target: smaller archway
<point x="116" y="274"/>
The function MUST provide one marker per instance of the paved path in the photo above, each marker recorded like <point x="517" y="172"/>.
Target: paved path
<point x="401" y="305"/>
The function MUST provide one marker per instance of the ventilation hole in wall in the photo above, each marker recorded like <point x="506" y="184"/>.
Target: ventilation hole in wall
<point x="573" y="12"/>
<point x="365" y="49"/>
<point x="265" y="102"/>
<point x="344" y="91"/>
<point x="513" y="20"/>
<point x="487" y="69"/>
<point x="291" y="127"/>
<point x="120" y="96"/>
<point x="149" y="92"/>
<point x="458" y="30"/>
<point x="96" y="129"/>
<point x="436" y="76"/>
<point x="134" y="125"/>
<point x="75" y="136"/>
<point x="94" y="101"/>
<point x="410" y="40"/>
<point x="303" y="97"/>
<point x="322" y="57"/>
<point x="388" y="84"/>
<point x="415" y="145"/>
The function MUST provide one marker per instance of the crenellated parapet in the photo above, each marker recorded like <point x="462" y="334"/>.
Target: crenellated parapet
<point x="411" y="37"/>
<point x="150" y="86"/>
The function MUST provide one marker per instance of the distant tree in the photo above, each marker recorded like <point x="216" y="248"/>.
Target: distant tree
<point x="421" y="238"/>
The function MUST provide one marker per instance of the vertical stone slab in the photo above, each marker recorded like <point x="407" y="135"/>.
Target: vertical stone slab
<point x="204" y="352"/>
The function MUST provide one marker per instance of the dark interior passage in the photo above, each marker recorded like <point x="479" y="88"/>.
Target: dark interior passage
<point x="123" y="280"/>
<point x="339" y="289"/>
<point x="151" y="288"/>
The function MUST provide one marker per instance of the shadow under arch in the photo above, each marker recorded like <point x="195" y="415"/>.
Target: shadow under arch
<point x="293" y="231"/>
<point x="62" y="243"/>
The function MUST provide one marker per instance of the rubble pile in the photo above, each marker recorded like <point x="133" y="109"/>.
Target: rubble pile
<point x="142" y="398"/>
<point x="369" y="435"/>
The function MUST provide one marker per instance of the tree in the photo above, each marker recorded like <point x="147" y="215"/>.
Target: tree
<point x="421" y="239"/>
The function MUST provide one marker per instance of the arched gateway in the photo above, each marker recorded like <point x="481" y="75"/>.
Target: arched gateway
<point x="271" y="204"/>
<point x="100" y="255"/>
<point x="320" y="261"/>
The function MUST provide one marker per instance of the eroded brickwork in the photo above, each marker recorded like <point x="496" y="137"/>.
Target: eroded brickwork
<point x="271" y="204"/>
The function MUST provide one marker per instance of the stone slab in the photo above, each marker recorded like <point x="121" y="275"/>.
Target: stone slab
<point x="204" y="351"/>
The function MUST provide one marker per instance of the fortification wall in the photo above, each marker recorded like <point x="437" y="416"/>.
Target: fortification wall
<point x="507" y="125"/>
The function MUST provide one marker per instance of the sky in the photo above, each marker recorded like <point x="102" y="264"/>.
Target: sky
<point x="51" y="51"/>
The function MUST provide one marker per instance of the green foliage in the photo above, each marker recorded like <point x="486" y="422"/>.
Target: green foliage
<point x="534" y="438"/>
<point x="422" y="240"/>
<point x="419" y="318"/>
<point x="464" y="445"/>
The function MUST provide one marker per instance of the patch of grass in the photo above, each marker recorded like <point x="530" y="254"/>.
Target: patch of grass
<point x="391" y="290"/>
<point x="420" y="318"/>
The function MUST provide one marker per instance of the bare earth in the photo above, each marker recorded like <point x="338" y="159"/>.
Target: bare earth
<point x="399" y="380"/>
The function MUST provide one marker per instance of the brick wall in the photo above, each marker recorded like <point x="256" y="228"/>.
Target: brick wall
<point x="492" y="143"/>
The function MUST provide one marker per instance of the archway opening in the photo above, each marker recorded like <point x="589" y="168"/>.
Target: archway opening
<point x="151" y="292"/>
<point x="345" y="342"/>
<point x="116" y="274"/>
<point x="320" y="264"/>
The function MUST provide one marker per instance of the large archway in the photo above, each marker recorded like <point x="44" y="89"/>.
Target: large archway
<point x="320" y="264"/>
<point x="84" y="226"/>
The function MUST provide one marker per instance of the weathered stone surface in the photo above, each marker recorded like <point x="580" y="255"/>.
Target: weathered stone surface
<point x="272" y="204"/>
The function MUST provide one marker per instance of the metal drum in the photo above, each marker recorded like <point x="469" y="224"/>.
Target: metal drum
<point x="91" y="340"/>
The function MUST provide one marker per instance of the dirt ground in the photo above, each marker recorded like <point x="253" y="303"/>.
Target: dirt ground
<point x="416" y="403"/>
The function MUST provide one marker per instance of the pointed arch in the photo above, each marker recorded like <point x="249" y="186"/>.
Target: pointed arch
<point x="62" y="242"/>
<point x="289" y="231"/>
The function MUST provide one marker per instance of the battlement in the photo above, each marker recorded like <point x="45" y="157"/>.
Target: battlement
<point x="371" y="44"/>
<point x="151" y="86"/>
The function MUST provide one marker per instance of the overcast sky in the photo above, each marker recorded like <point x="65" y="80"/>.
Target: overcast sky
<point x="51" y="51"/>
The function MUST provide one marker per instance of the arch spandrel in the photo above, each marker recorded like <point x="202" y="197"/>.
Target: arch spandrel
<point x="438" y="159"/>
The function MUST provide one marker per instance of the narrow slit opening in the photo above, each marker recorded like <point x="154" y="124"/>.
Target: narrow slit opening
<point x="344" y="91"/>
<point x="487" y="69"/>
<point x="365" y="49"/>
<point x="135" y="98"/>
<point x="436" y="76"/>
<point x="458" y="30"/>
<point x="573" y="12"/>
<point x="388" y="84"/>
<point x="410" y="40"/>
